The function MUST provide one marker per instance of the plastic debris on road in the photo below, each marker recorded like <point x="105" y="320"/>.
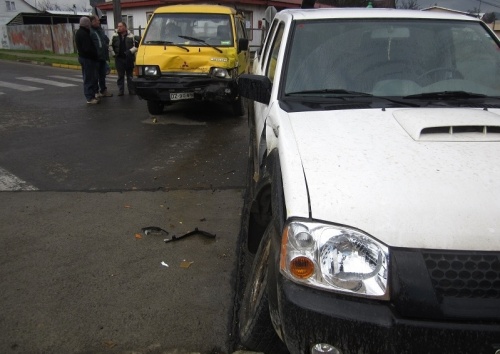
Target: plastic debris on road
<point x="186" y="264"/>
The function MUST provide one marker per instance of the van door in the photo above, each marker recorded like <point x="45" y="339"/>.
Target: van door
<point x="243" y="56"/>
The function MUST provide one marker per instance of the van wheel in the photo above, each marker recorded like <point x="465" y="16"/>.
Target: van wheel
<point x="238" y="107"/>
<point x="155" y="107"/>
<point x="255" y="327"/>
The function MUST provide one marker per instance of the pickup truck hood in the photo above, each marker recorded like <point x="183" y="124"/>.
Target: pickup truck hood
<point x="423" y="178"/>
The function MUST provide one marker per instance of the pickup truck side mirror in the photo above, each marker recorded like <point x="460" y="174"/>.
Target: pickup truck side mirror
<point x="242" y="44"/>
<point x="255" y="87"/>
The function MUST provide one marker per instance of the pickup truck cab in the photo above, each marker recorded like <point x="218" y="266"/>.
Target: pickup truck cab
<point x="374" y="213"/>
<point x="192" y="52"/>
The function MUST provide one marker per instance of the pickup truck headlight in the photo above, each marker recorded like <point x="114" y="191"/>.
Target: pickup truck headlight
<point x="334" y="258"/>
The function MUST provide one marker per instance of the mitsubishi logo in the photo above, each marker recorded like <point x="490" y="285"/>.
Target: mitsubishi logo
<point x="185" y="65"/>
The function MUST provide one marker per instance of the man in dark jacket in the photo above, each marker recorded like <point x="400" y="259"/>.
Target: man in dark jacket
<point x="101" y="42"/>
<point x="87" y="57"/>
<point x="123" y="47"/>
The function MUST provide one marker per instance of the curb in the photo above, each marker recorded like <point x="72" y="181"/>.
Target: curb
<point x="66" y="66"/>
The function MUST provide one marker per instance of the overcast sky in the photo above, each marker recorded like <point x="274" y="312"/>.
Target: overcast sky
<point x="462" y="5"/>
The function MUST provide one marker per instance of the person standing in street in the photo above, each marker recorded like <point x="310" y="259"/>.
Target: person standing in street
<point x="101" y="42"/>
<point x="123" y="48"/>
<point x="87" y="57"/>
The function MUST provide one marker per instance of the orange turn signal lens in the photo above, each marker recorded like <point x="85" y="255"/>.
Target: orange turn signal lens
<point x="301" y="267"/>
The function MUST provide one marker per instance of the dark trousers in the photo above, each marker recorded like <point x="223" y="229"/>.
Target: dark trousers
<point x="101" y="73"/>
<point x="122" y="69"/>
<point x="89" y="73"/>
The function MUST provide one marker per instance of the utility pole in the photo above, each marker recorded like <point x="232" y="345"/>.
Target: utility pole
<point x="117" y="12"/>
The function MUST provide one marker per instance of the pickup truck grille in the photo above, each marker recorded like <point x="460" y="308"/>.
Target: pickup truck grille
<point x="464" y="275"/>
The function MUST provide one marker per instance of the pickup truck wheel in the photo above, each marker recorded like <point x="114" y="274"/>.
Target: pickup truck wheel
<point x="238" y="108"/>
<point x="155" y="107"/>
<point x="255" y="327"/>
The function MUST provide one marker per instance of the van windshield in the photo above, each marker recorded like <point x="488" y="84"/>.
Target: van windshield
<point x="189" y="30"/>
<point x="392" y="57"/>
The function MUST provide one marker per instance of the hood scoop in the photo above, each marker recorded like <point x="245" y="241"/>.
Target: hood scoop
<point x="449" y="124"/>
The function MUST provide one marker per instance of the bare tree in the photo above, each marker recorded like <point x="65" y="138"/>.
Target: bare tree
<point x="48" y="5"/>
<point x="407" y="4"/>
<point x="358" y="3"/>
<point x="475" y="12"/>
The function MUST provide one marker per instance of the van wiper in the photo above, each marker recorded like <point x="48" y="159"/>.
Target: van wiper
<point x="200" y="41"/>
<point x="165" y="44"/>
<point x="331" y="91"/>
<point x="157" y="42"/>
<point x="446" y="95"/>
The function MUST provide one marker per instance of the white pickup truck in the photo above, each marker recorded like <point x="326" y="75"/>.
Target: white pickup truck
<point x="375" y="199"/>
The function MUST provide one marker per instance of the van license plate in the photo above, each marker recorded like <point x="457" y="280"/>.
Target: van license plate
<point x="181" y="96"/>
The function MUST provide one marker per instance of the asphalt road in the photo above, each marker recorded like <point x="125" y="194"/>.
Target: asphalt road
<point x="77" y="184"/>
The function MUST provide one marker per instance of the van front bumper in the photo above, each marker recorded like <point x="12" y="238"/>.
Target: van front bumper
<point x="167" y="89"/>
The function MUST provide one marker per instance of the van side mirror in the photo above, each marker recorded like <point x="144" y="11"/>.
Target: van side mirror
<point x="242" y="44"/>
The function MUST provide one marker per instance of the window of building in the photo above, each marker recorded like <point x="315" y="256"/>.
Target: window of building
<point x="10" y="5"/>
<point x="129" y="21"/>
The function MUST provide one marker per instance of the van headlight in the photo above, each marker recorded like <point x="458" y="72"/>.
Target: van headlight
<point x="220" y="73"/>
<point x="334" y="258"/>
<point x="150" y="70"/>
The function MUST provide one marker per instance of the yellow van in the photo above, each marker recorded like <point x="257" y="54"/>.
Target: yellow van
<point x="192" y="52"/>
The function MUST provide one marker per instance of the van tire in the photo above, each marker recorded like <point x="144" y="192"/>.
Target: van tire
<point x="155" y="107"/>
<point x="238" y="107"/>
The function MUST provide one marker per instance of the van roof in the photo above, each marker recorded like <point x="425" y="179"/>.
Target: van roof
<point x="197" y="8"/>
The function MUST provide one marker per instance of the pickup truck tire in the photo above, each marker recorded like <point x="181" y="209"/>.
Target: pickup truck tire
<point x="155" y="107"/>
<point x="238" y="107"/>
<point x="255" y="327"/>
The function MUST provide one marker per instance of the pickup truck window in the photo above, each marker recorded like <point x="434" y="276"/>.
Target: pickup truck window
<point x="273" y="57"/>
<point x="265" y="50"/>
<point x="393" y="57"/>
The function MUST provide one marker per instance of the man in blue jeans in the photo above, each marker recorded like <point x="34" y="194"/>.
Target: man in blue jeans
<point x="87" y="57"/>
<point x="101" y="42"/>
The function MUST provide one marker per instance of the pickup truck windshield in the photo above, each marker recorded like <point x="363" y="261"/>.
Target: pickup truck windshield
<point x="176" y="28"/>
<point x="392" y="57"/>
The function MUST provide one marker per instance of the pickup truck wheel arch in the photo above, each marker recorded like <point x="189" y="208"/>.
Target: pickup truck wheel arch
<point x="268" y="203"/>
<point x="256" y="330"/>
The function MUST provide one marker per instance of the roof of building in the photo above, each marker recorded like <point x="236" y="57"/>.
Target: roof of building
<point x="445" y="9"/>
<point x="45" y="18"/>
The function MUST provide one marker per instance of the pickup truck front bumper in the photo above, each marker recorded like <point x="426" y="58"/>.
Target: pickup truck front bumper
<point x="309" y="317"/>
<point x="408" y="323"/>
<point x="169" y="89"/>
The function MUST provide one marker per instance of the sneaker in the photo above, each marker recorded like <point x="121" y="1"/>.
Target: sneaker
<point x="120" y="93"/>
<point x="93" y="101"/>
<point x="106" y="94"/>
<point x="98" y="95"/>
